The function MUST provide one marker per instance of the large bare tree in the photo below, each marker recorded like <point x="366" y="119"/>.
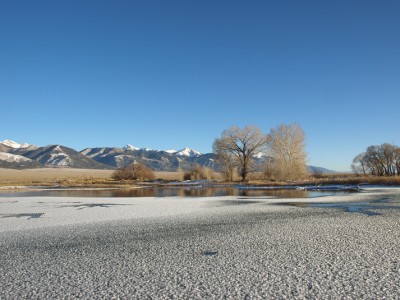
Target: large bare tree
<point x="236" y="148"/>
<point x="286" y="144"/>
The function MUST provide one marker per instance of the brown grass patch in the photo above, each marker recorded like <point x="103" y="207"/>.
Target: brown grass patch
<point x="51" y="176"/>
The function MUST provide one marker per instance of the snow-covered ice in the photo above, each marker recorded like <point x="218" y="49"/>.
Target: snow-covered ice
<point x="198" y="248"/>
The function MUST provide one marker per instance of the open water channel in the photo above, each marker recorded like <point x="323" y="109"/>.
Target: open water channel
<point x="169" y="192"/>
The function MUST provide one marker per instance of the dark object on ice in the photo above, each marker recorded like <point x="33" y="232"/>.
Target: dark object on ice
<point x="210" y="253"/>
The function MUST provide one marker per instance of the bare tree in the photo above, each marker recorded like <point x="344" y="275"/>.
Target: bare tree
<point x="359" y="165"/>
<point x="236" y="148"/>
<point x="226" y="161"/>
<point x="378" y="160"/>
<point x="397" y="160"/>
<point x="286" y="144"/>
<point x="268" y="168"/>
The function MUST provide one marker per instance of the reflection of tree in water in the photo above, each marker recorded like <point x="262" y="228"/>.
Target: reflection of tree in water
<point x="275" y="193"/>
<point x="174" y="191"/>
<point x="135" y="193"/>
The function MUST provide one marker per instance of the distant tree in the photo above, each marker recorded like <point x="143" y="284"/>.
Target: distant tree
<point x="378" y="160"/>
<point x="133" y="172"/>
<point x="397" y="160"/>
<point x="236" y="149"/>
<point x="286" y="144"/>
<point x="359" y="165"/>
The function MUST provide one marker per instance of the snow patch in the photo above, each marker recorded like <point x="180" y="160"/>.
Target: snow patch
<point x="15" y="145"/>
<point x="59" y="159"/>
<point x="171" y="151"/>
<point x="188" y="152"/>
<point x="12" y="157"/>
<point x="130" y="147"/>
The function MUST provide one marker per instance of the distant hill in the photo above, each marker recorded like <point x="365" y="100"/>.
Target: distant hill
<point x="319" y="170"/>
<point x="17" y="156"/>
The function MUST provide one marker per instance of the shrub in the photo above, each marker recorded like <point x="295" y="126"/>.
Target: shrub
<point x="133" y="172"/>
<point x="198" y="173"/>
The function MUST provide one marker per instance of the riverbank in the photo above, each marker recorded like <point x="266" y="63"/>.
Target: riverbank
<point x="88" y="178"/>
<point x="198" y="248"/>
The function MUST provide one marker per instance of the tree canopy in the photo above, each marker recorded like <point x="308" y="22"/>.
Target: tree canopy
<point x="237" y="147"/>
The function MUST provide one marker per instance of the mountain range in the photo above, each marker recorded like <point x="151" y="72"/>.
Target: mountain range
<point x="20" y="156"/>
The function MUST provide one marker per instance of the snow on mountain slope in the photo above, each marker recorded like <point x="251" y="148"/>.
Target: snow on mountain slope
<point x="12" y="157"/>
<point x="171" y="151"/>
<point x="61" y="156"/>
<point x="188" y="152"/>
<point x="129" y="147"/>
<point x="12" y="161"/>
<point x="14" y="145"/>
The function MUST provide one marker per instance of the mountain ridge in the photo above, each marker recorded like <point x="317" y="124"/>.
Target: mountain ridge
<point x="112" y="157"/>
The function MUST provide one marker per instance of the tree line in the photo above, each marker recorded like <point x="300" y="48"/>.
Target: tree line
<point x="283" y="150"/>
<point x="378" y="160"/>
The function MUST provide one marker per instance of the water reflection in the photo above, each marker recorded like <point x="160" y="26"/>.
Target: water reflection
<point x="170" y="192"/>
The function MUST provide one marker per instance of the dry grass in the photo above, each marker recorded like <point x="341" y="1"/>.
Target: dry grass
<point x="334" y="179"/>
<point x="102" y="178"/>
<point x="70" y="177"/>
<point x="51" y="176"/>
<point x="168" y="176"/>
<point x="353" y="179"/>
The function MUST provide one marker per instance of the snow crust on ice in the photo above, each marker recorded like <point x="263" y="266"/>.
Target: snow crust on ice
<point x="78" y="210"/>
<point x="202" y="248"/>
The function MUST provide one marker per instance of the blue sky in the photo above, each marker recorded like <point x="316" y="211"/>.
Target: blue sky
<point x="171" y="74"/>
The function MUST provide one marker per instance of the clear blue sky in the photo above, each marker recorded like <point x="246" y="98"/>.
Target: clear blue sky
<point x="171" y="74"/>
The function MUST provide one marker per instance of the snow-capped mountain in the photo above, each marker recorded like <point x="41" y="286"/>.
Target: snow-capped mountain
<point x="188" y="152"/>
<point x="61" y="156"/>
<point x="17" y="156"/>
<point x="158" y="160"/>
<point x="15" y="145"/>
<point x="130" y="147"/>
<point x="11" y="144"/>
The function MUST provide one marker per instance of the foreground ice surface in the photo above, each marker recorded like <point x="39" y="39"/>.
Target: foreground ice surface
<point x="227" y="247"/>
